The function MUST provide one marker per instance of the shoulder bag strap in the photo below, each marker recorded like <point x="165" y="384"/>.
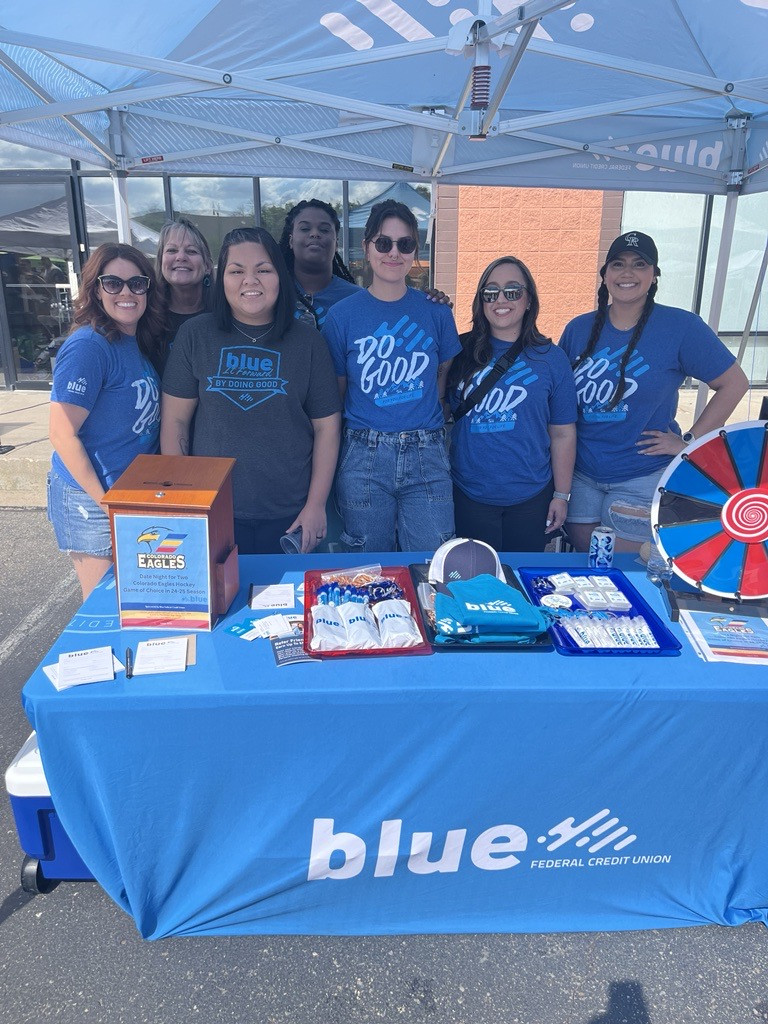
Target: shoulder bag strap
<point x="502" y="364"/>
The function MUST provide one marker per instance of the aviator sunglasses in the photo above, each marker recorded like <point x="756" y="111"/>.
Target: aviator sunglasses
<point x="405" y="245"/>
<point x="512" y="293"/>
<point x="113" y="285"/>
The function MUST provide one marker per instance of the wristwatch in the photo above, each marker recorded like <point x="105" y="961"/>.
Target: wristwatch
<point x="562" y="495"/>
<point x="688" y="436"/>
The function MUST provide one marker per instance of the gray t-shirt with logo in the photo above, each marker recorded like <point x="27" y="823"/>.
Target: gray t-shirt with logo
<point x="256" y="401"/>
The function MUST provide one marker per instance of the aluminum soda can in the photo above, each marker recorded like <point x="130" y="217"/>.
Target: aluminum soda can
<point x="601" y="545"/>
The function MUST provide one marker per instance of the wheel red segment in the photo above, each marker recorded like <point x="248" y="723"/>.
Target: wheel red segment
<point x="696" y="563"/>
<point x="754" y="579"/>
<point x="714" y="459"/>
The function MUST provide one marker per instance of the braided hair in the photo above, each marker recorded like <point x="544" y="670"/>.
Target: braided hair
<point x="597" y="327"/>
<point x="476" y="343"/>
<point x="339" y="268"/>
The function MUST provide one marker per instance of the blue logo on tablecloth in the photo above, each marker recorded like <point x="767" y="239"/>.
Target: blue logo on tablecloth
<point x="248" y="375"/>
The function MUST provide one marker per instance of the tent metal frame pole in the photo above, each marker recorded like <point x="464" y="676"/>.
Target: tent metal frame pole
<point x="119" y="179"/>
<point x="32" y="85"/>
<point x="701" y="259"/>
<point x="345" y="221"/>
<point x="737" y="122"/>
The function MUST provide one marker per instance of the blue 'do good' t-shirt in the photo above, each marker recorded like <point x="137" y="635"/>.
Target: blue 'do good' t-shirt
<point x="500" y="450"/>
<point x="118" y="386"/>
<point x="322" y="301"/>
<point x="675" y="344"/>
<point x="389" y="352"/>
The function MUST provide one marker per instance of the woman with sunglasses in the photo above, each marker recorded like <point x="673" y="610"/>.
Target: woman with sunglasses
<point x="184" y="272"/>
<point x="629" y="358"/>
<point x="309" y="245"/>
<point x="392" y="348"/>
<point x="105" y="402"/>
<point x="513" y="399"/>
<point x="261" y="387"/>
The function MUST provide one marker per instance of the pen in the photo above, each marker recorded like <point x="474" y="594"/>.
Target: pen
<point x="128" y="663"/>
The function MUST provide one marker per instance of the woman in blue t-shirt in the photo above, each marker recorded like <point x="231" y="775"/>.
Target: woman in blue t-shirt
<point x="105" y="402"/>
<point x="513" y="446"/>
<point x="392" y="348"/>
<point x="629" y="359"/>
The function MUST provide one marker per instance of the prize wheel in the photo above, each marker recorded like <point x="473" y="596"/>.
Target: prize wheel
<point x="710" y="512"/>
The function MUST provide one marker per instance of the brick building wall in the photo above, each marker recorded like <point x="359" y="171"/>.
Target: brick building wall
<point x="560" y="234"/>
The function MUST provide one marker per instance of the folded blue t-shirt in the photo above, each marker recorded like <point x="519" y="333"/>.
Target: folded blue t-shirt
<point x="486" y="602"/>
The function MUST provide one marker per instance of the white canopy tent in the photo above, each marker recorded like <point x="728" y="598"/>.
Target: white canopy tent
<point x="667" y="95"/>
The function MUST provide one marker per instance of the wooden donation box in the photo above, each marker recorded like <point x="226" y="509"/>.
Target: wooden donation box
<point x="173" y="538"/>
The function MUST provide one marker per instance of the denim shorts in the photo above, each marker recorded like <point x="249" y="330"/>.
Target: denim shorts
<point x="595" y="502"/>
<point x="79" y="524"/>
<point x="395" y="488"/>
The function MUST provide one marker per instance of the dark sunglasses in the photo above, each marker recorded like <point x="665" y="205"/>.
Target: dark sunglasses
<point x="512" y="293"/>
<point x="405" y="245"/>
<point x="113" y="285"/>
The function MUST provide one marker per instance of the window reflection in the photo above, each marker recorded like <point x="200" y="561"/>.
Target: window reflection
<point x="216" y="205"/>
<point x="100" y="222"/>
<point x="279" y="195"/>
<point x="37" y="275"/>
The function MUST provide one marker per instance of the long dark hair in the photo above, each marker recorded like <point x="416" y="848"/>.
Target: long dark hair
<point x="599" y="322"/>
<point x="286" y="296"/>
<point x="151" y="328"/>
<point x="339" y="267"/>
<point x="476" y="343"/>
<point x="183" y="225"/>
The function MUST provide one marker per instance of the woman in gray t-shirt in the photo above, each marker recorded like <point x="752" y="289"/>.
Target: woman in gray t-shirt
<point x="262" y="389"/>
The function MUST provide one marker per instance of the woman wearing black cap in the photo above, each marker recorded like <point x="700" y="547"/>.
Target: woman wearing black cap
<point x="629" y="359"/>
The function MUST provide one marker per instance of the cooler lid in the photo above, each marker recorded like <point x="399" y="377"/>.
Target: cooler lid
<point x="25" y="775"/>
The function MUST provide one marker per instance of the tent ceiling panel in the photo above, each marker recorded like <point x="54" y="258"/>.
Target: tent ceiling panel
<point x="605" y="95"/>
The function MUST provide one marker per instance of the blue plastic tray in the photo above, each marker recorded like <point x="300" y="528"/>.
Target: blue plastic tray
<point x="669" y="645"/>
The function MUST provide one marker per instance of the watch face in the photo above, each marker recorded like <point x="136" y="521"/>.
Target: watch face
<point x="688" y="437"/>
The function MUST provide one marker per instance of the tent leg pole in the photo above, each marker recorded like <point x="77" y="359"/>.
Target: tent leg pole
<point x="718" y="287"/>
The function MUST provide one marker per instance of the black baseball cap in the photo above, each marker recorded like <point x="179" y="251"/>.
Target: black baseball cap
<point x="637" y="242"/>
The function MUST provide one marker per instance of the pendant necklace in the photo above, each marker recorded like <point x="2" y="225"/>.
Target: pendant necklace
<point x="252" y="337"/>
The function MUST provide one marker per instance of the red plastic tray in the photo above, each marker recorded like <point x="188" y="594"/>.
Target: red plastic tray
<point x="401" y="576"/>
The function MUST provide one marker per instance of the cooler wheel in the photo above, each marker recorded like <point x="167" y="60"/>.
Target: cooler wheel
<point x="32" y="878"/>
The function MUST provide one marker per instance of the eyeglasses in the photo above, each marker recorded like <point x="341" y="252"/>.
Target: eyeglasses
<point x="405" y="245"/>
<point x="512" y="293"/>
<point x="113" y="285"/>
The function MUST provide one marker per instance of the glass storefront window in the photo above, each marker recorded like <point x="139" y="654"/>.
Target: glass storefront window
<point x="216" y="205"/>
<point x="145" y="201"/>
<point x="674" y="222"/>
<point x="279" y="195"/>
<point x="37" y="276"/>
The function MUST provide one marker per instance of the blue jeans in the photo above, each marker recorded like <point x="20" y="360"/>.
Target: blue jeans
<point x="395" y="487"/>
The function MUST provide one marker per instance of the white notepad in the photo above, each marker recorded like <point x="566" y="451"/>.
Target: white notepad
<point x="166" y="654"/>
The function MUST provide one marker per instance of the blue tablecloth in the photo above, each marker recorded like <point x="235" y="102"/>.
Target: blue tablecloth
<point x="483" y="792"/>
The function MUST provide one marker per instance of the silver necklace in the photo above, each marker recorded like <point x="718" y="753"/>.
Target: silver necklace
<point x="253" y="337"/>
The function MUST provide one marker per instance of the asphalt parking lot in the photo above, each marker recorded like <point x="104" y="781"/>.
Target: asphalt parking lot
<point x="73" y="956"/>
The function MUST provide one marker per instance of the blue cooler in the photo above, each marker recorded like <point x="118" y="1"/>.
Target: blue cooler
<point x="51" y="856"/>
